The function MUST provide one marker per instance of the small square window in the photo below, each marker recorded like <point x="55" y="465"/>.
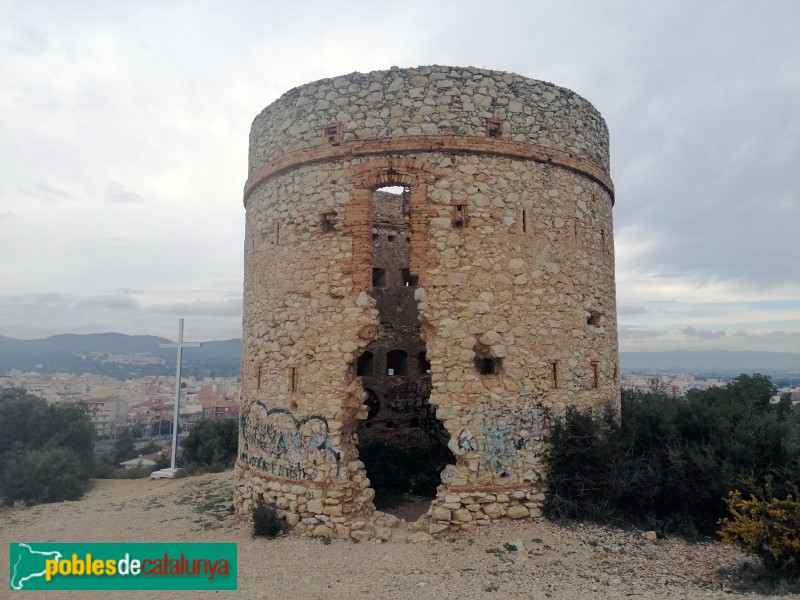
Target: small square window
<point x="494" y="128"/>
<point x="487" y="366"/>
<point x="332" y="134"/>
<point x="409" y="280"/>
<point x="459" y="216"/>
<point x="328" y="221"/>
<point x="554" y="374"/>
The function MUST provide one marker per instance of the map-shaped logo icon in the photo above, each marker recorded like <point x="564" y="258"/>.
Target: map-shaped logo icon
<point x="27" y="563"/>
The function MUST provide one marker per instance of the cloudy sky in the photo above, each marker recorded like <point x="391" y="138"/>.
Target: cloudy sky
<point x="124" y="127"/>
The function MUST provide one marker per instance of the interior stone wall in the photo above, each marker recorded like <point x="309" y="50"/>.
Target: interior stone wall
<point x="510" y="239"/>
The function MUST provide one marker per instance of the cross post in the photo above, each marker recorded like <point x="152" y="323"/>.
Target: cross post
<point x="180" y="345"/>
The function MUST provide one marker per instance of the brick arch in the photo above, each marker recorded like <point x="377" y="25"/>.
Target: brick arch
<point x="368" y="177"/>
<point x="382" y="172"/>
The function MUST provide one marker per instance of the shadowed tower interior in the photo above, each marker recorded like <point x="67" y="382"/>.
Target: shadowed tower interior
<point x="401" y="442"/>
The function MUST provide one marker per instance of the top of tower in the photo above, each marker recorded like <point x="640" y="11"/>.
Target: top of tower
<point x="430" y="101"/>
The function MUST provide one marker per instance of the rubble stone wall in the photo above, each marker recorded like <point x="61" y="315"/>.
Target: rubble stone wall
<point x="511" y="242"/>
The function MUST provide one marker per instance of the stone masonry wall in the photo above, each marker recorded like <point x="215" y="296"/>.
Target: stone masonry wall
<point x="512" y="245"/>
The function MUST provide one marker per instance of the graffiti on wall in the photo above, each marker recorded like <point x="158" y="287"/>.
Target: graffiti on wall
<point x="505" y="441"/>
<point x="275" y="442"/>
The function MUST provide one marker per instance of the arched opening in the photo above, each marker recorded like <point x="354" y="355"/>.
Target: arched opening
<point x="364" y="364"/>
<point x="396" y="363"/>
<point x="401" y="442"/>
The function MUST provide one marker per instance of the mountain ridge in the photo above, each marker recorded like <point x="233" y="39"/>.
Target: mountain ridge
<point x="99" y="353"/>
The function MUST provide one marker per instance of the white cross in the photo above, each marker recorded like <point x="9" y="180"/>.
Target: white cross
<point x="180" y="345"/>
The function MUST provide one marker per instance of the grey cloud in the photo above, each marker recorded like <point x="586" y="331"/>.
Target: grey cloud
<point x="113" y="302"/>
<point x="47" y="192"/>
<point x="741" y="333"/>
<point x="714" y="191"/>
<point x="635" y="333"/>
<point x="63" y="301"/>
<point x="7" y="215"/>
<point x="702" y="334"/>
<point x="121" y="194"/>
<point x="226" y="308"/>
<point x="631" y="310"/>
<point x="37" y="298"/>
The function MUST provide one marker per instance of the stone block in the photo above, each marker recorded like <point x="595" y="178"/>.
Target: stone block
<point x="517" y="512"/>
<point x="462" y="515"/>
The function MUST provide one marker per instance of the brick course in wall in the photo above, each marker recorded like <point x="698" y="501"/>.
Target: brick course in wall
<point x="525" y="285"/>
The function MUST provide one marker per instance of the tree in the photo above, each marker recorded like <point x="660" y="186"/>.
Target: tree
<point x="124" y="448"/>
<point x="212" y="442"/>
<point x="46" y="450"/>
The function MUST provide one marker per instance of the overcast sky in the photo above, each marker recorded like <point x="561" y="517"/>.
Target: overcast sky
<point x="124" y="129"/>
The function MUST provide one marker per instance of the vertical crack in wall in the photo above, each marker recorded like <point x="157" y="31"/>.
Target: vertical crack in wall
<point x="401" y="442"/>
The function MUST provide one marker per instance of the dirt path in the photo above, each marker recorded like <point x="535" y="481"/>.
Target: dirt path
<point x="553" y="562"/>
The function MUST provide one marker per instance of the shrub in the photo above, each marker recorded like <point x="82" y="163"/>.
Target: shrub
<point x="768" y="528"/>
<point x="266" y="521"/>
<point x="45" y="475"/>
<point x="668" y="463"/>
<point x="46" y="450"/>
<point x="212" y="441"/>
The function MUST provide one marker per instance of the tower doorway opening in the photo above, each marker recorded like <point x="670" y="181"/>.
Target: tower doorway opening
<point x="401" y="442"/>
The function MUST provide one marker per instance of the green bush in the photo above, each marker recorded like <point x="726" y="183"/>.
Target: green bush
<point x="46" y="450"/>
<point x="49" y="474"/>
<point x="212" y="442"/>
<point x="669" y="462"/>
<point x="266" y="521"/>
<point x="142" y="473"/>
<point x="767" y="527"/>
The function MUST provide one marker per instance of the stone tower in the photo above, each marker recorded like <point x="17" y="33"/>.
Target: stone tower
<point x="429" y="275"/>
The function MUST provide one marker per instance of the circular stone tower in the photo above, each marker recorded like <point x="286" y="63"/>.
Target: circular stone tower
<point x="429" y="277"/>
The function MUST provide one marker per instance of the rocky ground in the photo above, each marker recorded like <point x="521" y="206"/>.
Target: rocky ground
<point x="517" y="559"/>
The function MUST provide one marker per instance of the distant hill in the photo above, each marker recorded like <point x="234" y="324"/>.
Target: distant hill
<point x="117" y="355"/>
<point x="127" y="356"/>
<point x="711" y="361"/>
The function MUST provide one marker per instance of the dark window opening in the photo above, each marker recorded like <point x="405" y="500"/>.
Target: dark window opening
<point x="487" y="366"/>
<point x="595" y="375"/>
<point x="396" y="361"/>
<point x="554" y="374"/>
<point x="459" y="217"/>
<point x="258" y="376"/>
<point x="328" y="221"/>
<point x="408" y="279"/>
<point x="378" y="277"/>
<point x="373" y="404"/>
<point x="524" y="222"/>
<point x="424" y="363"/>
<point x="374" y="236"/>
<point x="293" y="381"/>
<point x="364" y="364"/>
<point x="595" y="319"/>
<point x="332" y="134"/>
<point x="391" y="237"/>
<point x="494" y="128"/>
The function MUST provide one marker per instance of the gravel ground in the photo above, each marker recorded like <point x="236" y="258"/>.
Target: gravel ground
<point x="550" y="561"/>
